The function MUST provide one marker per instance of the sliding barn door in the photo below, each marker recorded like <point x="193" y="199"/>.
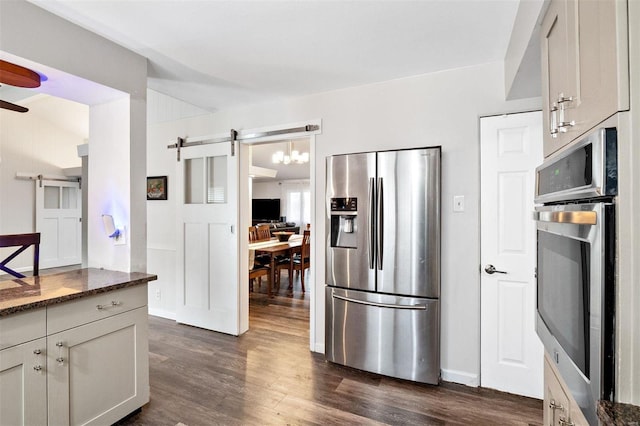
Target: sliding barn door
<point x="59" y="222"/>
<point x="208" y="282"/>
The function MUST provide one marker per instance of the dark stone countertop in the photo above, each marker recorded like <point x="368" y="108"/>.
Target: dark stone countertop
<point x="22" y="294"/>
<point x="618" y="414"/>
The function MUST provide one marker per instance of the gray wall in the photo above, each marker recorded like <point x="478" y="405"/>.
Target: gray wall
<point x="436" y="109"/>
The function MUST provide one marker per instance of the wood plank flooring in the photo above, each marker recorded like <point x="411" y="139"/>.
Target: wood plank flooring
<point x="268" y="376"/>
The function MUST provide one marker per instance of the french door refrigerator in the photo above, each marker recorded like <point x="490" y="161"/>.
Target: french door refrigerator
<point x="383" y="262"/>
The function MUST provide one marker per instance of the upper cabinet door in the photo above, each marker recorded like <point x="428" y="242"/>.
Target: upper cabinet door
<point x="584" y="67"/>
<point x="602" y="61"/>
<point x="559" y="74"/>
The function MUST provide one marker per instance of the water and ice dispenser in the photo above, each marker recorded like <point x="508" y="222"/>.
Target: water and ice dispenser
<point x="344" y="222"/>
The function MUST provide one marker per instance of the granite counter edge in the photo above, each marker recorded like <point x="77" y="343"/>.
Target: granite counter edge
<point x="618" y="414"/>
<point x="81" y="294"/>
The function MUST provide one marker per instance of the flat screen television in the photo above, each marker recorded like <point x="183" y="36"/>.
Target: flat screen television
<point x="265" y="209"/>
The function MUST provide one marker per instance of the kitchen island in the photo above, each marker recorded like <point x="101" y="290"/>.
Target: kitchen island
<point x="73" y="347"/>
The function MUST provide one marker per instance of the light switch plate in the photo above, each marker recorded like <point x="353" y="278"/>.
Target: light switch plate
<point x="458" y="203"/>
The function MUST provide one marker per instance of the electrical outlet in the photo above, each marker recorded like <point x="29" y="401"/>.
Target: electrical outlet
<point x="458" y="203"/>
<point x="122" y="238"/>
<point x="158" y="294"/>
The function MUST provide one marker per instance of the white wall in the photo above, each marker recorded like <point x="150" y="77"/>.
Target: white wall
<point x="522" y="61"/>
<point x="109" y="177"/>
<point x="162" y="108"/>
<point x="436" y="109"/>
<point x="266" y="190"/>
<point x="64" y="46"/>
<point x="31" y="143"/>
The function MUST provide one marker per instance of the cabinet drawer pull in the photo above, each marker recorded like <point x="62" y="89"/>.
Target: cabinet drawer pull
<point x="37" y="351"/>
<point x="565" y="422"/>
<point x="60" y="359"/>
<point x="562" y="99"/>
<point x="564" y="124"/>
<point x="113" y="303"/>
<point x="37" y="368"/>
<point x="553" y="120"/>
<point x="554" y="406"/>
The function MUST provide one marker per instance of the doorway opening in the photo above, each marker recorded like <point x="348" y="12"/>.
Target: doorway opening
<point x="280" y="196"/>
<point x="40" y="155"/>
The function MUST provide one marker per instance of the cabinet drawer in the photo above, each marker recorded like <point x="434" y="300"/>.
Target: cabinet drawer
<point x="82" y="311"/>
<point x="22" y="327"/>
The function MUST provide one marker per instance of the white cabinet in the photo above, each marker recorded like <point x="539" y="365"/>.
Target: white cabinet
<point x="559" y="407"/>
<point x="81" y="362"/>
<point x="584" y="67"/>
<point x="23" y="391"/>
<point x="23" y="384"/>
<point x="98" y="372"/>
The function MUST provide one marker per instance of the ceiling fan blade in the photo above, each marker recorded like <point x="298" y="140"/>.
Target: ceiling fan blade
<point x="16" y="75"/>
<point x="12" y="107"/>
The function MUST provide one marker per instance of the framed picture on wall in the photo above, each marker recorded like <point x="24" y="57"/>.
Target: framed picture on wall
<point x="157" y="188"/>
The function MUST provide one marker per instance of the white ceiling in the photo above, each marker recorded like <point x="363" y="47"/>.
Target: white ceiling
<point x="221" y="54"/>
<point x="59" y="84"/>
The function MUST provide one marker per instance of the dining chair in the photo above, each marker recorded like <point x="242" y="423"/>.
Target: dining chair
<point x="301" y="260"/>
<point x="263" y="232"/>
<point x="284" y="263"/>
<point x="24" y="241"/>
<point x="256" y="236"/>
<point x="257" y="271"/>
<point x="253" y="234"/>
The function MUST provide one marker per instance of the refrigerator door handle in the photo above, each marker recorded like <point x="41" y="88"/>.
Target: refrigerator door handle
<point x="370" y="223"/>
<point x="380" y="221"/>
<point x="382" y="305"/>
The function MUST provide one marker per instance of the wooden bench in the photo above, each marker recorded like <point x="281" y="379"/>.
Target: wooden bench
<point x="24" y="241"/>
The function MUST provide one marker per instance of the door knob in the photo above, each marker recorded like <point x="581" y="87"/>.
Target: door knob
<point x="490" y="269"/>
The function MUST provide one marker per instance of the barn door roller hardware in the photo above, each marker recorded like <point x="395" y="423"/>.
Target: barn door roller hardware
<point x="234" y="136"/>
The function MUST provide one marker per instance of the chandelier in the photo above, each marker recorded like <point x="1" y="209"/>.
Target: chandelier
<point x="293" y="157"/>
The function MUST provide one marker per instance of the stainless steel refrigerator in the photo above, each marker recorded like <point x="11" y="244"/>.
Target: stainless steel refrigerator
<point x="383" y="262"/>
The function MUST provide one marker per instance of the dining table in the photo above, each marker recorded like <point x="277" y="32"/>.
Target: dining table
<point x="274" y="247"/>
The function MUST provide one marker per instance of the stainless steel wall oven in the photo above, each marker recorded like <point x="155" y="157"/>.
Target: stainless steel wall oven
<point x="576" y="195"/>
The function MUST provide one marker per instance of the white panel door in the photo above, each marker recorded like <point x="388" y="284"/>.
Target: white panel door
<point x="59" y="222"/>
<point x="208" y="281"/>
<point x="511" y="352"/>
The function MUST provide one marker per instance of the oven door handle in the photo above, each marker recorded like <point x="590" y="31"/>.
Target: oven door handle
<point x="577" y="218"/>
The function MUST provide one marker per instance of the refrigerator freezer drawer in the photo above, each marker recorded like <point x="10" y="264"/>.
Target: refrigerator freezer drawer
<point x="390" y="335"/>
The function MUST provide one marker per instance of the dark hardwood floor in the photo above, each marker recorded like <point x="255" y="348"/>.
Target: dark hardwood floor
<point x="269" y="376"/>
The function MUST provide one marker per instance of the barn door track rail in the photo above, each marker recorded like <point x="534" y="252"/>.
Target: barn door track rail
<point x="234" y="136"/>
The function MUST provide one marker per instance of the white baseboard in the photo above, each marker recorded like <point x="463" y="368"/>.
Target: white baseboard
<point x="461" y="377"/>
<point x="162" y="313"/>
